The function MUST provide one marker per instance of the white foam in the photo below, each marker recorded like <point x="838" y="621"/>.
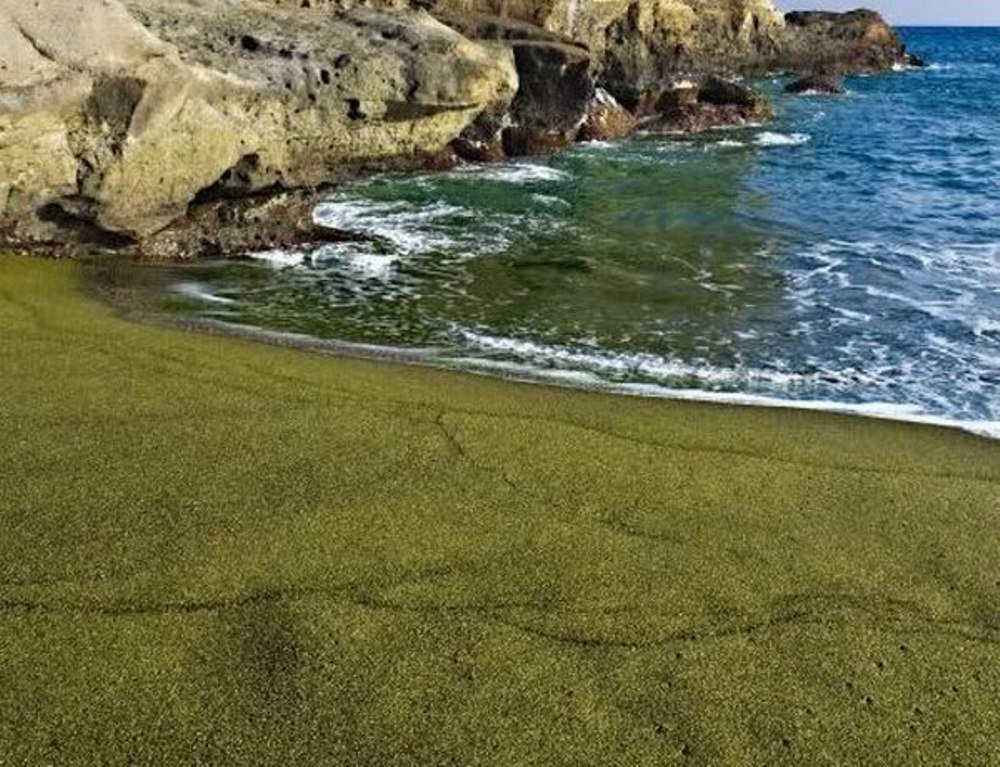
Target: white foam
<point x="198" y="291"/>
<point x="900" y="67"/>
<point x="730" y="128"/>
<point x="983" y="326"/>
<point x="966" y="272"/>
<point x="407" y="227"/>
<point x="881" y="410"/>
<point x="279" y="259"/>
<point x="597" y="145"/>
<point x="814" y="93"/>
<point x="386" y="232"/>
<point x="625" y="364"/>
<point x="514" y="173"/>
<point x="932" y="67"/>
<point x="358" y="257"/>
<point x="550" y="200"/>
<point x="771" y="138"/>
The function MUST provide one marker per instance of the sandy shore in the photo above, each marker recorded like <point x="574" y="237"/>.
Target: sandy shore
<point x="220" y="552"/>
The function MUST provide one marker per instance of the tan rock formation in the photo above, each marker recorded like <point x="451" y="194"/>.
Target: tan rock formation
<point x="635" y="43"/>
<point x="120" y="114"/>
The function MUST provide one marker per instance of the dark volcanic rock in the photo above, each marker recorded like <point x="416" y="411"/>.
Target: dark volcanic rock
<point x="482" y="141"/>
<point x="606" y="119"/>
<point x="720" y="91"/>
<point x="555" y="88"/>
<point x="815" y="84"/>
<point x="831" y="43"/>
<point x="553" y="97"/>
<point x="715" y="102"/>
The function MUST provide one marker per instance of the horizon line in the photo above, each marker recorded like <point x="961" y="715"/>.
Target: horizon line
<point x="949" y="26"/>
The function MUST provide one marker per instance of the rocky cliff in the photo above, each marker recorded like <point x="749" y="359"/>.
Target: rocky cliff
<point x="120" y="114"/>
<point x="636" y="44"/>
<point x="121" y="121"/>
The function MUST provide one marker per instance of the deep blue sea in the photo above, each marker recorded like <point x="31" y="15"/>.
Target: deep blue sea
<point x="846" y="255"/>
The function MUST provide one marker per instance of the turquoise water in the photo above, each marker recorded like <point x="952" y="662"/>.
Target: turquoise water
<point x="845" y="255"/>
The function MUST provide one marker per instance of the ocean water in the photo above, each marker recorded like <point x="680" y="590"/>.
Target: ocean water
<point x="846" y="255"/>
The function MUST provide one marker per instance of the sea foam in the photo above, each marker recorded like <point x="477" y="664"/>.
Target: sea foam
<point x="514" y="173"/>
<point x="406" y="227"/>
<point x="771" y="138"/>
<point x="620" y="364"/>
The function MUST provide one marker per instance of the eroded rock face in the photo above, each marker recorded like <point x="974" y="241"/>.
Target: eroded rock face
<point x="836" y="43"/>
<point x="653" y="41"/>
<point x="636" y="45"/>
<point x="116" y="115"/>
<point x="556" y="84"/>
<point x="120" y="120"/>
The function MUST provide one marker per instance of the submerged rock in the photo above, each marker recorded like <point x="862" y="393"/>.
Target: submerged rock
<point x="815" y="84"/>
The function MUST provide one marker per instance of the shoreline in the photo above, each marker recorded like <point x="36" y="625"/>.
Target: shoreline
<point x="225" y="551"/>
<point x="439" y="359"/>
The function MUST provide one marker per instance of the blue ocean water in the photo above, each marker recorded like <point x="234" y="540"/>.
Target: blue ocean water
<point x="846" y="255"/>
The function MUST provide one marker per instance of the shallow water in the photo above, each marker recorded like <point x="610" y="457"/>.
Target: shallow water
<point x="847" y="254"/>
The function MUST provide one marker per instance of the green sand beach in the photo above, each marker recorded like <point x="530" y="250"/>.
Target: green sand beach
<point x="220" y="552"/>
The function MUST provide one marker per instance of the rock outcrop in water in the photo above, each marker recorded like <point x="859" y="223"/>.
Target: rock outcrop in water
<point x="183" y="126"/>
<point x="815" y="85"/>
<point x="831" y="43"/>
<point x="690" y="107"/>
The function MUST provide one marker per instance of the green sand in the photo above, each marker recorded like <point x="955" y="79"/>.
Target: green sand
<point x="220" y="552"/>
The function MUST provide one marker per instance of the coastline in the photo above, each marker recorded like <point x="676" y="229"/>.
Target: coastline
<point x="574" y="380"/>
<point x="440" y="359"/>
<point x="250" y="553"/>
<point x="472" y="83"/>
